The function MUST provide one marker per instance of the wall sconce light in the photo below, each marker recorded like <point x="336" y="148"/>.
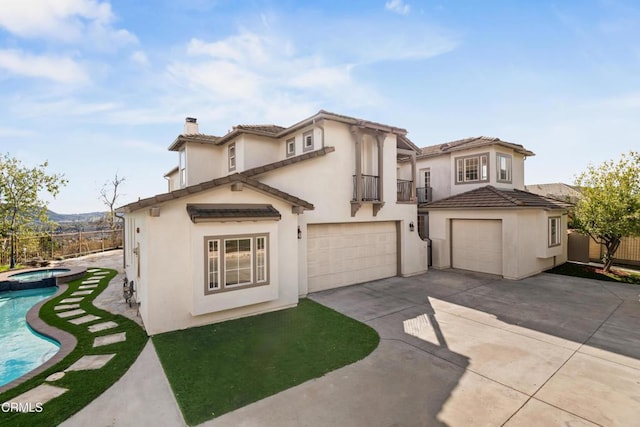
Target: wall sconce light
<point x="299" y="233"/>
<point x="411" y="226"/>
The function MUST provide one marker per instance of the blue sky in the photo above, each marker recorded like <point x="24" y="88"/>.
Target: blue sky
<point x="98" y="87"/>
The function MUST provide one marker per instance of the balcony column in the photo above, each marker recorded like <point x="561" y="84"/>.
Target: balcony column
<point x="380" y="138"/>
<point x="414" y="177"/>
<point x="357" y="135"/>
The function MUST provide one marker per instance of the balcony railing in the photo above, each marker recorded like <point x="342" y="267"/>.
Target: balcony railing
<point x="369" y="188"/>
<point x="404" y="190"/>
<point x="424" y="194"/>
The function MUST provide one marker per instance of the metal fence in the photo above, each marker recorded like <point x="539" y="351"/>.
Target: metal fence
<point x="60" y="246"/>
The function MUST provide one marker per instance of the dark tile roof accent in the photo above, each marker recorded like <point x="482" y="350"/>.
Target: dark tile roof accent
<point x="467" y="143"/>
<point x="491" y="197"/>
<point x="275" y="131"/>
<point x="266" y="129"/>
<point x="286" y="162"/>
<point x="201" y="138"/>
<point x="230" y="179"/>
<point x="228" y="212"/>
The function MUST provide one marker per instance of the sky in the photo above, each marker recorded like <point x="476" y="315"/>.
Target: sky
<point x="99" y="87"/>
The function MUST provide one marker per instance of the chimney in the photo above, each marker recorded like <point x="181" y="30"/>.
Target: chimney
<point x="191" y="126"/>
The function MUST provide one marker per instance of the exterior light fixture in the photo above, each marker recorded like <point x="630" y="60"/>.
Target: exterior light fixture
<point x="411" y="226"/>
<point x="299" y="233"/>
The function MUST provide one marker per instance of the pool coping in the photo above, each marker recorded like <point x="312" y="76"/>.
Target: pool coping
<point x="66" y="340"/>
<point x="73" y="274"/>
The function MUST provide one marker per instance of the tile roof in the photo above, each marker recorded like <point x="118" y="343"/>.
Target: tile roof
<point x="467" y="143"/>
<point x="230" y="179"/>
<point x="227" y="212"/>
<point x="194" y="137"/>
<point x="286" y="162"/>
<point x="491" y="197"/>
<point x="267" y="129"/>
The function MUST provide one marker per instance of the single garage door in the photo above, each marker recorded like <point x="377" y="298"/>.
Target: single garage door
<point x="476" y="245"/>
<point x="348" y="253"/>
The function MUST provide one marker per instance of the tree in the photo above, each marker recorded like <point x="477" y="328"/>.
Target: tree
<point x="609" y="208"/>
<point x="20" y="205"/>
<point x="109" y="196"/>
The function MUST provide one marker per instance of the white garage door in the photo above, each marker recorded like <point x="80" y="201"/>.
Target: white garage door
<point x="344" y="254"/>
<point x="476" y="245"/>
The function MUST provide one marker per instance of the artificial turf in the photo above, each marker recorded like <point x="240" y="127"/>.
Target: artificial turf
<point x="217" y="368"/>
<point x="83" y="386"/>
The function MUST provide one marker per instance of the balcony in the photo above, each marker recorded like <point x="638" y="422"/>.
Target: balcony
<point x="369" y="189"/>
<point x="424" y="194"/>
<point x="404" y="190"/>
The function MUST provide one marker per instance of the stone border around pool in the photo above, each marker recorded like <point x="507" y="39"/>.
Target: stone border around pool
<point x="66" y="340"/>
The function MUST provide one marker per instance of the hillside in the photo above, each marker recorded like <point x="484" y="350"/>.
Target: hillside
<point x="80" y="217"/>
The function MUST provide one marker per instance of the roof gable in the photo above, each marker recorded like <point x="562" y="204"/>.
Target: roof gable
<point x="469" y="143"/>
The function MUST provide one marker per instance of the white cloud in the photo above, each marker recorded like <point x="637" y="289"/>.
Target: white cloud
<point x="57" y="68"/>
<point x="64" y="20"/>
<point x="140" y="58"/>
<point x="62" y="107"/>
<point x="397" y="6"/>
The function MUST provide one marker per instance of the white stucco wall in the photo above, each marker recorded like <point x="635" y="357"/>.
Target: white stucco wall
<point x="201" y="162"/>
<point x="525" y="249"/>
<point x="440" y="168"/>
<point x="171" y="283"/>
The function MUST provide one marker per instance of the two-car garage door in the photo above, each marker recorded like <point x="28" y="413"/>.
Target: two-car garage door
<point x="347" y="253"/>
<point x="476" y="245"/>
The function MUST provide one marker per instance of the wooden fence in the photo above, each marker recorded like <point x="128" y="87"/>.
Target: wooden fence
<point x="583" y="249"/>
<point x="60" y="246"/>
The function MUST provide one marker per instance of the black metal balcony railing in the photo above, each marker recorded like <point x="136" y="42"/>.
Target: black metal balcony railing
<point x="369" y="188"/>
<point x="404" y="190"/>
<point x="424" y="194"/>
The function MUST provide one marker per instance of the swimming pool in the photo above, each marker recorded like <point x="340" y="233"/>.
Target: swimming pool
<point x="22" y="348"/>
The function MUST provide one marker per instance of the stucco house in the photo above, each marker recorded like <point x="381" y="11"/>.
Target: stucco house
<point x="256" y="218"/>
<point x="475" y="211"/>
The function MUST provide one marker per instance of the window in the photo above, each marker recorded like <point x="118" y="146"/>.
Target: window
<point x="307" y="139"/>
<point x="232" y="156"/>
<point x="503" y="167"/>
<point x="554" y="231"/>
<point x="472" y="169"/>
<point x="427" y="178"/>
<point x="182" y="165"/>
<point x="291" y="147"/>
<point x="236" y="262"/>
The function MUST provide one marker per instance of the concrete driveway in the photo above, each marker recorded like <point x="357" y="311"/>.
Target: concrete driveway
<point x="463" y="349"/>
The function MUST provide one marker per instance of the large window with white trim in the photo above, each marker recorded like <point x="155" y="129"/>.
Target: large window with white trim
<point x="236" y="262"/>
<point x="182" y="166"/>
<point x="472" y="169"/>
<point x="232" y="156"/>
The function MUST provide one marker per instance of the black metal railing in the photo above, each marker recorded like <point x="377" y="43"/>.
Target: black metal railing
<point x="404" y="190"/>
<point x="369" y="188"/>
<point x="424" y="194"/>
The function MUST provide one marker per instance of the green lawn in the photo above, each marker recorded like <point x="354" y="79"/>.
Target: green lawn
<point x="217" y="368"/>
<point x="84" y="386"/>
<point x="590" y="272"/>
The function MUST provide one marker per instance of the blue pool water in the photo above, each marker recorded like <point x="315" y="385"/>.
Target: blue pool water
<point x="22" y="349"/>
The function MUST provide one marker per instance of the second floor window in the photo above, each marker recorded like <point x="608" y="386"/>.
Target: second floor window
<point x="183" y="168"/>
<point x="307" y="141"/>
<point x="291" y="147"/>
<point x="427" y="178"/>
<point x="232" y="156"/>
<point x="503" y="167"/>
<point x="472" y="169"/>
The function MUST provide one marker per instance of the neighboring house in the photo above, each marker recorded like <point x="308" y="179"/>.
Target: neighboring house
<point x="474" y="210"/>
<point x="558" y="191"/>
<point x="263" y="215"/>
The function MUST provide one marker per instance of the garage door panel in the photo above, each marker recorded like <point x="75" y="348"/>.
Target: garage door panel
<point x="476" y="245"/>
<point x="344" y="254"/>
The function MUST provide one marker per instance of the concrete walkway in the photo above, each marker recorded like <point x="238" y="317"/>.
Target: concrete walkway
<point x="462" y="349"/>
